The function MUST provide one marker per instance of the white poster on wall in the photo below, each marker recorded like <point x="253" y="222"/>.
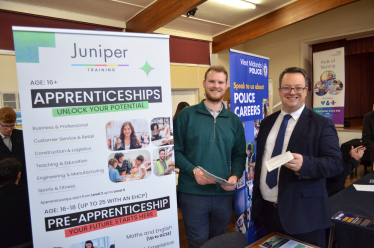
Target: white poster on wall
<point x="329" y="84"/>
<point x="97" y="126"/>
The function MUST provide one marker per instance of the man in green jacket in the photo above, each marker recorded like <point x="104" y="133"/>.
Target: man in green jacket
<point x="210" y="136"/>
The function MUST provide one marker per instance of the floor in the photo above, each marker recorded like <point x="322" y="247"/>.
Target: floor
<point x="231" y="228"/>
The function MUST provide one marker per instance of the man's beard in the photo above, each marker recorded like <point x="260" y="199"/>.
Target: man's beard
<point x="212" y="99"/>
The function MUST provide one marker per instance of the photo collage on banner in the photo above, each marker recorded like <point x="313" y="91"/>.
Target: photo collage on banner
<point x="329" y="84"/>
<point x="249" y="99"/>
<point x="98" y="135"/>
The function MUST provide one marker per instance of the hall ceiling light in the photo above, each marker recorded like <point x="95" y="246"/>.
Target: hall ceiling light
<point x="242" y="4"/>
<point x="253" y="1"/>
<point x="124" y="2"/>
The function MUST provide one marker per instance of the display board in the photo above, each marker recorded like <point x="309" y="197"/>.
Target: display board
<point x="96" y="114"/>
<point x="329" y="84"/>
<point x="249" y="99"/>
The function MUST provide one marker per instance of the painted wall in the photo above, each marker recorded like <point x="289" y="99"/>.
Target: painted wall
<point x="188" y="77"/>
<point x="8" y="78"/>
<point x="286" y="48"/>
<point x="347" y="135"/>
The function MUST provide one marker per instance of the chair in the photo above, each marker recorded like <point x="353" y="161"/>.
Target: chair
<point x="227" y="240"/>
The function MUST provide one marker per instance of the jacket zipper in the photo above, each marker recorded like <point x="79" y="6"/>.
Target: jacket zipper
<point x="214" y="130"/>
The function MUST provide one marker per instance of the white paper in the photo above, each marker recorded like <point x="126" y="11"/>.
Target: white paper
<point x="360" y="187"/>
<point x="278" y="161"/>
<point x="215" y="178"/>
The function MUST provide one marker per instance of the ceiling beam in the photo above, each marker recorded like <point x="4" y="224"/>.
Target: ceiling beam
<point x="287" y="15"/>
<point x="159" y="14"/>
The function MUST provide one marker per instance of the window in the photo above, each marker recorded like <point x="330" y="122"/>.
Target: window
<point x="10" y="99"/>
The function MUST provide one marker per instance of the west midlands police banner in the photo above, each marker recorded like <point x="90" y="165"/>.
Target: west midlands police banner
<point x="329" y="84"/>
<point x="249" y="99"/>
<point x="96" y="110"/>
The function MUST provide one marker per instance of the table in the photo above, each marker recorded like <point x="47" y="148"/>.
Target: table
<point x="259" y="242"/>
<point x="354" y="202"/>
<point x="346" y="147"/>
<point x="159" y="142"/>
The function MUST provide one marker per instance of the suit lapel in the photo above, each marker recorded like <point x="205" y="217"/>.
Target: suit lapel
<point x="304" y="119"/>
<point x="3" y="147"/>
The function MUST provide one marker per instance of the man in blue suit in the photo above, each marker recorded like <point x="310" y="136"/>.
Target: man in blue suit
<point x="293" y="199"/>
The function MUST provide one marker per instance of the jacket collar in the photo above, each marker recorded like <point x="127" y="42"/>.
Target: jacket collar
<point x="202" y="109"/>
<point x="304" y="119"/>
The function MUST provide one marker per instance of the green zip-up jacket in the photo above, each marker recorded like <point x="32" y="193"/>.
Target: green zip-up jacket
<point x="199" y="140"/>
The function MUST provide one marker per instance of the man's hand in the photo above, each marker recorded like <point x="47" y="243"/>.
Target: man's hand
<point x="232" y="179"/>
<point x="357" y="152"/>
<point x="169" y="170"/>
<point x="296" y="163"/>
<point x="201" y="179"/>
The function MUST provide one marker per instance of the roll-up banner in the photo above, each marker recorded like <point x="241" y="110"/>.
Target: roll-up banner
<point x="96" y="116"/>
<point x="329" y="84"/>
<point x="249" y="99"/>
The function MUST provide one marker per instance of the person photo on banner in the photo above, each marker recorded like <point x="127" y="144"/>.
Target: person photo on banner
<point x="139" y="167"/>
<point x="256" y="129"/>
<point x="292" y="199"/>
<point x="162" y="166"/>
<point x="113" y="173"/>
<point x="336" y="88"/>
<point x="251" y="173"/>
<point x="319" y="89"/>
<point x="161" y="131"/>
<point x="89" y="244"/>
<point x="251" y="158"/>
<point x="328" y="83"/>
<point x="127" y="138"/>
<point x="212" y="137"/>
<point x="265" y="111"/>
<point x="123" y="165"/>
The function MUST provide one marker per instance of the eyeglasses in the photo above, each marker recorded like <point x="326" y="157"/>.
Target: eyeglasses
<point x="8" y="126"/>
<point x="287" y="90"/>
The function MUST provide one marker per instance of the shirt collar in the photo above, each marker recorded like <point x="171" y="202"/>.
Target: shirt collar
<point x="295" y="115"/>
<point x="3" y="136"/>
<point x="211" y="110"/>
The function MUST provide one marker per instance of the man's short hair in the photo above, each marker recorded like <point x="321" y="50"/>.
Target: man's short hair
<point x="7" y="115"/>
<point x="161" y="150"/>
<point x="118" y="155"/>
<point x="9" y="169"/>
<point x="294" y="70"/>
<point x="217" y="68"/>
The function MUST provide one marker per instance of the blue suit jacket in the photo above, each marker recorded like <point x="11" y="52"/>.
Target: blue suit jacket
<point x="303" y="203"/>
